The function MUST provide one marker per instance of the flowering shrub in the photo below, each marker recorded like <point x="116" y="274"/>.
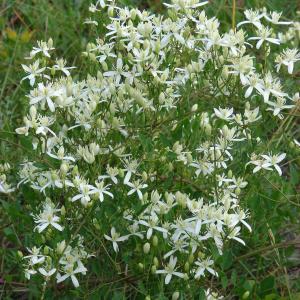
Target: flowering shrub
<point x="144" y="161"/>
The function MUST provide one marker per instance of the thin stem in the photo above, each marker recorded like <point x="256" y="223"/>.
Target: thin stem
<point x="233" y="14"/>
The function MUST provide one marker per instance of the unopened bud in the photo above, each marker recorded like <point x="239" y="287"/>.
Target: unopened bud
<point x="153" y="269"/>
<point x="146" y="248"/>
<point x="155" y="241"/>
<point x="175" y="295"/>
<point x="155" y="261"/>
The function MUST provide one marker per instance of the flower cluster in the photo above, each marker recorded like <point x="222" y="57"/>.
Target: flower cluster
<point x="149" y="147"/>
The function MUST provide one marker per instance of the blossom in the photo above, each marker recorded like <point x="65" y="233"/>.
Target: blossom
<point x="85" y="190"/>
<point x="152" y="223"/>
<point x="61" y="66"/>
<point x="170" y="270"/>
<point x="47" y="217"/>
<point x="61" y="155"/>
<point x="278" y="106"/>
<point x="224" y="113"/>
<point x="253" y="17"/>
<point x="70" y="272"/>
<point x="185" y="4"/>
<point x="263" y="35"/>
<point x="33" y="71"/>
<point x="43" y="47"/>
<point x="274" y="18"/>
<point x="259" y="164"/>
<point x="288" y="58"/>
<point x="47" y="273"/>
<point x="100" y="190"/>
<point x="45" y="94"/>
<point x="136" y="187"/>
<point x="274" y="160"/>
<point x="204" y="265"/>
<point x="115" y="238"/>
<point x="35" y="256"/>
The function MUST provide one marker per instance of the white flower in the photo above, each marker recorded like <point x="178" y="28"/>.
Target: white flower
<point x="224" y="113"/>
<point x="115" y="237"/>
<point x="43" y="47"/>
<point x="234" y="235"/>
<point x="253" y="17"/>
<point x="274" y="18"/>
<point x="35" y="257"/>
<point x="204" y="265"/>
<point x="296" y="142"/>
<point x="288" y="58"/>
<point x="85" y="190"/>
<point x="170" y="270"/>
<point x="274" y="160"/>
<point x="100" y="190"/>
<point x="33" y="71"/>
<point x="264" y="34"/>
<point x="152" y="223"/>
<point x="5" y="188"/>
<point x="136" y="187"/>
<point x="119" y="71"/>
<point x="61" y="155"/>
<point x="278" y="106"/>
<point x="259" y="164"/>
<point x="61" y="66"/>
<point x="45" y="94"/>
<point x="70" y="272"/>
<point x="47" y="217"/>
<point x="185" y="4"/>
<point x="47" y="273"/>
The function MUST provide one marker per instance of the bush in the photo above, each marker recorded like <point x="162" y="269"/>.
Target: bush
<point x="147" y="168"/>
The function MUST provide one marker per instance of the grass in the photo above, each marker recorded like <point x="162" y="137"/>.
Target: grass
<point x="267" y="267"/>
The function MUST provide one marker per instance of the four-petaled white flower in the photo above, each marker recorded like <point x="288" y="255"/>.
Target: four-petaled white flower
<point x="47" y="217"/>
<point x="70" y="272"/>
<point x="100" y="190"/>
<point x="115" y="238"/>
<point x="264" y="34"/>
<point x="34" y="71"/>
<point x="136" y="187"/>
<point x="204" y="265"/>
<point x="224" y="113"/>
<point x="170" y="270"/>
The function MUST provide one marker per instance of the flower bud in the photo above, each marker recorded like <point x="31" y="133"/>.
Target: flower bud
<point x="191" y="258"/>
<point x="141" y="266"/>
<point x="153" y="269"/>
<point x="64" y="168"/>
<point x="46" y="250"/>
<point x="155" y="261"/>
<point x="194" y="108"/>
<point x="186" y="266"/>
<point x="110" y="11"/>
<point x="144" y="176"/>
<point x="175" y="295"/>
<point x="246" y="295"/>
<point x="146" y="248"/>
<point x="155" y="241"/>
<point x="50" y="43"/>
<point x="133" y="14"/>
<point x="20" y="254"/>
<point x="207" y="129"/>
<point x="63" y="210"/>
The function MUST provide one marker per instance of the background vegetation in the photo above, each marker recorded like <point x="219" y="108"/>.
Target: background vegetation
<point x="268" y="267"/>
